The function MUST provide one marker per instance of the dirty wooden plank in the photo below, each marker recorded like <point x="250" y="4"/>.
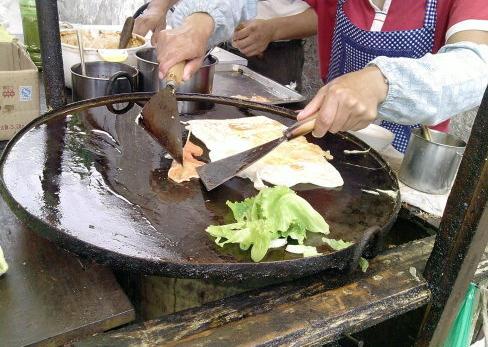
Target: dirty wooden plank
<point x="48" y="296"/>
<point x="462" y="236"/>
<point x="303" y="312"/>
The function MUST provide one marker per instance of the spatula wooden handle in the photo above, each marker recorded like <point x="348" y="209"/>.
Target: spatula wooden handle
<point x="175" y="74"/>
<point x="301" y="128"/>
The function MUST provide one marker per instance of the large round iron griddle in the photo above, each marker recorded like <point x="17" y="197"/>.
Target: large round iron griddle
<point x="96" y="184"/>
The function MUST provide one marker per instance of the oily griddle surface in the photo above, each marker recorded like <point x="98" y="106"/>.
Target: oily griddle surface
<point x="96" y="183"/>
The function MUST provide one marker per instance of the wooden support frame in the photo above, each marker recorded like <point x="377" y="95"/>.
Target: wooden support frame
<point x="306" y="312"/>
<point x="462" y="236"/>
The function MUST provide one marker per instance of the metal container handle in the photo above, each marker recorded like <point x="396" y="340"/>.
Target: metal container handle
<point x="110" y="87"/>
<point x="141" y="10"/>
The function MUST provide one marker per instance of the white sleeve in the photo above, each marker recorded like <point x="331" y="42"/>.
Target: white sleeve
<point x="227" y="14"/>
<point x="435" y="87"/>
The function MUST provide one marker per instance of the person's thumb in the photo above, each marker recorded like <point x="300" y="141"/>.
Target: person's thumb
<point x="142" y="25"/>
<point x="159" y="27"/>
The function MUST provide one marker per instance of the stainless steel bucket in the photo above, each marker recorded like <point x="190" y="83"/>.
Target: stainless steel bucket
<point x="104" y="78"/>
<point x="431" y="167"/>
<point x="201" y="82"/>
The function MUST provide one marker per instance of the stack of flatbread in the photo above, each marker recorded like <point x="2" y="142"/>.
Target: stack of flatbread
<point x="292" y="162"/>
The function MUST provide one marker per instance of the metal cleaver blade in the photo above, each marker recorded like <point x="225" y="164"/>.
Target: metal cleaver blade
<point x="217" y="172"/>
<point x="160" y="117"/>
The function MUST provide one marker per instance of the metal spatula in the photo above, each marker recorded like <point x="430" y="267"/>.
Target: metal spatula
<point x="215" y="173"/>
<point x="160" y="116"/>
<point x="126" y="33"/>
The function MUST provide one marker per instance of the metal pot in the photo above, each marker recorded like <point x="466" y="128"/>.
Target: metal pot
<point x="104" y="78"/>
<point x="71" y="54"/>
<point x="431" y="167"/>
<point x="201" y="82"/>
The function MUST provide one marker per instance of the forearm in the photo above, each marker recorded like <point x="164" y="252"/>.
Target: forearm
<point x="225" y="14"/>
<point x="435" y="87"/>
<point x="154" y="18"/>
<point x="297" y="26"/>
<point x="161" y="6"/>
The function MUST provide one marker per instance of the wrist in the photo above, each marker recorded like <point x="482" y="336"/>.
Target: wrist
<point x="202" y="24"/>
<point x="159" y="7"/>
<point x="272" y="26"/>
<point x="380" y="83"/>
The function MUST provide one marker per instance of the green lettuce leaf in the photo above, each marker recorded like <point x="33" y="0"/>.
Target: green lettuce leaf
<point x="337" y="245"/>
<point x="307" y="251"/>
<point x="276" y="212"/>
<point x="363" y="264"/>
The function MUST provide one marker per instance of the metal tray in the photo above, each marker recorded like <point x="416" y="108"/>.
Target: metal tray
<point x="231" y="80"/>
<point x="96" y="184"/>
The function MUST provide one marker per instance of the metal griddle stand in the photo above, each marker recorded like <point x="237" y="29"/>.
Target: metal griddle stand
<point x="462" y="235"/>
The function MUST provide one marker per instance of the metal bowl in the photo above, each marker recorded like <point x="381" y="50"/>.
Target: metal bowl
<point x="104" y="78"/>
<point x="201" y="82"/>
<point x="71" y="55"/>
<point x="431" y="167"/>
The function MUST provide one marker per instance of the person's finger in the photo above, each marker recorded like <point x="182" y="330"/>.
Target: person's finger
<point x="359" y="126"/>
<point x="327" y="115"/>
<point x="191" y="67"/>
<point x="244" y="32"/>
<point x="342" y="116"/>
<point x="245" y="43"/>
<point x="170" y="51"/>
<point x="256" y="53"/>
<point x="239" y="35"/>
<point x="347" y="112"/>
<point x="351" y="124"/>
<point x="353" y="121"/>
<point x="253" y="53"/>
<point x="141" y="26"/>
<point x="167" y="63"/>
<point x="362" y="117"/>
<point x="252" y="50"/>
<point x="160" y="26"/>
<point x="313" y="106"/>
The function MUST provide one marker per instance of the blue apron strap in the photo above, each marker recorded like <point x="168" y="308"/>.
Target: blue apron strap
<point x="430" y="14"/>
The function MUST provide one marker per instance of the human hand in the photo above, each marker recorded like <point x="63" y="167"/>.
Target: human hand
<point x="187" y="43"/>
<point x="254" y="37"/>
<point x="349" y="102"/>
<point x="152" y="19"/>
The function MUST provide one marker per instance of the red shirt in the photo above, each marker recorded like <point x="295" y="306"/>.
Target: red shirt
<point x="402" y="15"/>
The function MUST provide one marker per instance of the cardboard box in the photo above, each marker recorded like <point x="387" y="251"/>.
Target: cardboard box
<point x="19" y="89"/>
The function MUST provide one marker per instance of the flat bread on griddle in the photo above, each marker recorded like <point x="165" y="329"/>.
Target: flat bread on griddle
<point x="292" y="162"/>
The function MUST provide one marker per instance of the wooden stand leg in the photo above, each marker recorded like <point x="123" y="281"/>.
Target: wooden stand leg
<point x="462" y="236"/>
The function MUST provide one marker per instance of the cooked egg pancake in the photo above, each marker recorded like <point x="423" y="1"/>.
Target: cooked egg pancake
<point x="183" y="173"/>
<point x="292" y="162"/>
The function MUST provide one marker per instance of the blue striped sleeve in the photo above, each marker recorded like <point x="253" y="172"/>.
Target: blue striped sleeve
<point x="227" y="14"/>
